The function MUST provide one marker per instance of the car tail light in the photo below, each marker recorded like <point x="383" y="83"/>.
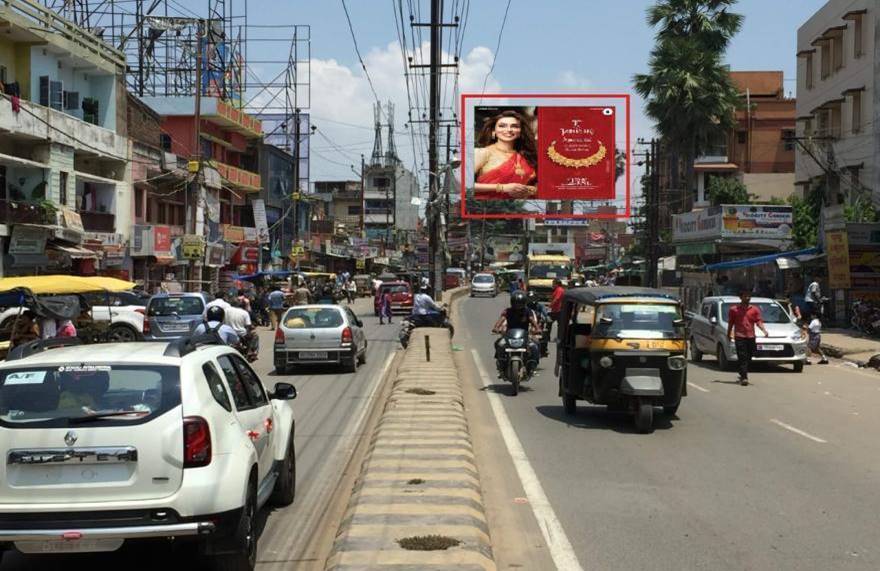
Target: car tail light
<point x="196" y="442"/>
<point x="279" y="336"/>
<point x="346" y="335"/>
<point x="146" y="324"/>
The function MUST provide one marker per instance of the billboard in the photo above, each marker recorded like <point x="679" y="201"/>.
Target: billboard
<point x="756" y="221"/>
<point x="696" y="225"/>
<point x="523" y="153"/>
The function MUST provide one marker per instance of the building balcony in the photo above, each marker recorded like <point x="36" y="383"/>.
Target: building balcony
<point x="238" y="179"/>
<point x="382" y="219"/>
<point x="98" y="221"/>
<point x="19" y="212"/>
<point x="37" y="123"/>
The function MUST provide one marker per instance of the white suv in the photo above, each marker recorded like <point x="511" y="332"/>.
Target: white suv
<point x="126" y="441"/>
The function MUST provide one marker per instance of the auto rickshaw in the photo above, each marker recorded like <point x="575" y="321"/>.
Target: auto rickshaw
<point x="364" y="283"/>
<point x="623" y="347"/>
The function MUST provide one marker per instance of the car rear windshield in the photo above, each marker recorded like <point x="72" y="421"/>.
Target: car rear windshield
<point x="313" y="318"/>
<point x="67" y="395"/>
<point x="771" y="312"/>
<point x="163" y="306"/>
<point x="395" y="289"/>
<point x="483" y="279"/>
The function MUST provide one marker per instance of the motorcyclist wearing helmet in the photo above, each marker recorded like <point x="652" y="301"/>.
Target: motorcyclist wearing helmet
<point x="533" y="304"/>
<point x="425" y="310"/>
<point x="519" y="316"/>
<point x="214" y="321"/>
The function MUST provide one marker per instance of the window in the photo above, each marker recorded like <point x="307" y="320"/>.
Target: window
<point x="835" y="121"/>
<point x="856" y="102"/>
<point x="741" y="137"/>
<point x="62" y="188"/>
<point x="858" y="50"/>
<point x="837" y="52"/>
<point x="215" y="383"/>
<point x="165" y="141"/>
<point x="788" y="139"/>
<point x="808" y="128"/>
<point x="251" y="382"/>
<point x="381" y="182"/>
<point x="808" y="76"/>
<point x="138" y="203"/>
<point x="825" y="66"/>
<point x="240" y="394"/>
<point x="704" y="311"/>
<point x="355" y="210"/>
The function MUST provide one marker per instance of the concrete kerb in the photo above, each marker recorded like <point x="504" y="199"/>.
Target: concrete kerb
<point x="419" y="476"/>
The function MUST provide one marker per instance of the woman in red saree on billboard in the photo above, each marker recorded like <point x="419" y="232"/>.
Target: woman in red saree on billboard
<point x="505" y="157"/>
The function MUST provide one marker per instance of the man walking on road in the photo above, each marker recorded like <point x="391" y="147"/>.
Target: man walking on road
<point x="556" y="302"/>
<point x="276" y="307"/>
<point x="741" y="322"/>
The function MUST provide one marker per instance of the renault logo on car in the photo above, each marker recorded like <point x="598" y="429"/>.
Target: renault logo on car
<point x="70" y="438"/>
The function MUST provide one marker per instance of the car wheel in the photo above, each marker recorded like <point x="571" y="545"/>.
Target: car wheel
<point x="362" y="358"/>
<point x="799" y="367"/>
<point x="696" y="354"/>
<point x="723" y="361"/>
<point x="569" y="404"/>
<point x="123" y="334"/>
<point x="245" y="538"/>
<point x="285" y="486"/>
<point x="350" y="364"/>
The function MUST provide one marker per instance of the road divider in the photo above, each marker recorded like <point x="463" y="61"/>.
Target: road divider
<point x="417" y="503"/>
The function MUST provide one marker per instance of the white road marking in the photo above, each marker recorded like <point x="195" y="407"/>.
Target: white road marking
<point x="698" y="387"/>
<point x="798" y="431"/>
<point x="554" y="535"/>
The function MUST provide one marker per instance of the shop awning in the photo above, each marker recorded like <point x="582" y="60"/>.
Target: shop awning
<point x="74" y="252"/>
<point x="759" y="260"/>
<point x="13" y="161"/>
<point x="94" y="178"/>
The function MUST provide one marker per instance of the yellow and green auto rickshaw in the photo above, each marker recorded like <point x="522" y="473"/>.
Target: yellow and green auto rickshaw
<point x="623" y="347"/>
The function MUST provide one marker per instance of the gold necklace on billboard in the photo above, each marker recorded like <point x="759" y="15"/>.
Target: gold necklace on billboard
<point x="590" y="161"/>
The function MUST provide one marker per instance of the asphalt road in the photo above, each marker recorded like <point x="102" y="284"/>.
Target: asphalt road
<point x="330" y="409"/>
<point x="781" y="474"/>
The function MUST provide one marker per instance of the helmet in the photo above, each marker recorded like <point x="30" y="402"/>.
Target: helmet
<point x="215" y="313"/>
<point x="518" y="300"/>
<point x="531" y="296"/>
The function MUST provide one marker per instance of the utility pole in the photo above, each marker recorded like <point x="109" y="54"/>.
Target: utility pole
<point x="652" y="216"/>
<point x="296" y="190"/>
<point x="195" y="281"/>
<point x="435" y="257"/>
<point x="363" y="200"/>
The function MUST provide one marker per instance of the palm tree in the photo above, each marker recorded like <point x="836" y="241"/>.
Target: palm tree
<point x="688" y="88"/>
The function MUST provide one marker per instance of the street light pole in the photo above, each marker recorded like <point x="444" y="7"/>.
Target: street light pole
<point x="434" y="255"/>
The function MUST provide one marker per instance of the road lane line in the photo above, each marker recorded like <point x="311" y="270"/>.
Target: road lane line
<point x="798" y="431"/>
<point x="554" y="535"/>
<point x="698" y="387"/>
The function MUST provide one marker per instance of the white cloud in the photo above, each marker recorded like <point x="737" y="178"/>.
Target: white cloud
<point x="341" y="94"/>
<point x="569" y="79"/>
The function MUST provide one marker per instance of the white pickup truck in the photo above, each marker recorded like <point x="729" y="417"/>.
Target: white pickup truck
<point x="125" y="314"/>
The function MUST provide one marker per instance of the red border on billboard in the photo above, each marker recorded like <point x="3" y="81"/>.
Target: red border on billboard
<point x="538" y="215"/>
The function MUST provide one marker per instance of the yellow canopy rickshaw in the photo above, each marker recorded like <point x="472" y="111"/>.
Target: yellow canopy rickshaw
<point x="64" y="284"/>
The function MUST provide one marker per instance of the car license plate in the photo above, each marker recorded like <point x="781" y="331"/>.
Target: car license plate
<point x="312" y="354"/>
<point x="176" y="327"/>
<point x="72" y="546"/>
<point x="515" y="350"/>
<point x="763" y="347"/>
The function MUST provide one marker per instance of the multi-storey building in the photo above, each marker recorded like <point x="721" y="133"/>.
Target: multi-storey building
<point x="64" y="156"/>
<point x="836" y="96"/>
<point x="391" y="215"/>
<point x="346" y="204"/>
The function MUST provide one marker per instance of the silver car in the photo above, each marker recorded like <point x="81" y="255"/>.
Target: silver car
<point x="320" y="334"/>
<point x="787" y="343"/>
<point x="484" y="284"/>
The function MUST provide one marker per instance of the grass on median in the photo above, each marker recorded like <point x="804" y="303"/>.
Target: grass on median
<point x="428" y="542"/>
<point x="421" y="391"/>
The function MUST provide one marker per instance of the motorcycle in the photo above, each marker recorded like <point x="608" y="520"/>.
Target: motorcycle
<point x="546" y="324"/>
<point x="249" y="346"/>
<point x="511" y="357"/>
<point x="412" y="322"/>
<point x="865" y="317"/>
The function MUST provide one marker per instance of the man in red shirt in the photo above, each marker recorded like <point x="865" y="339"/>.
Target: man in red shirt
<point x="555" y="307"/>
<point x="741" y="322"/>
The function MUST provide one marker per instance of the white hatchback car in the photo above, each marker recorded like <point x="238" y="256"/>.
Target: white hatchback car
<point x="121" y="442"/>
<point x="484" y="284"/>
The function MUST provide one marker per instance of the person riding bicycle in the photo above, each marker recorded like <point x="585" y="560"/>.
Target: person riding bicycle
<point x="214" y="321"/>
<point x="519" y="316"/>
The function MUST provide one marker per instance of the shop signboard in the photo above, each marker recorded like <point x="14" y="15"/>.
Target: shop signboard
<point x="695" y="249"/>
<point x="233" y="233"/>
<point x="250" y="234"/>
<point x="862" y="234"/>
<point x="28" y="240"/>
<point x="141" y="240"/>
<point x="756" y="221"/>
<point x="697" y="225"/>
<point x="193" y="246"/>
<point x="215" y="255"/>
<point x="565" y="222"/>
<point x="360" y="264"/>
<point x="161" y="241"/>
<point x="71" y="219"/>
<point x="260" y="220"/>
<point x="837" y="248"/>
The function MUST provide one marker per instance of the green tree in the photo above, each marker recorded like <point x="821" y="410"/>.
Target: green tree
<point x="688" y="89"/>
<point x="806" y="213"/>
<point x="861" y="210"/>
<point x="727" y="191"/>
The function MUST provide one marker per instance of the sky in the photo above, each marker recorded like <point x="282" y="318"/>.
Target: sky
<point x="549" y="46"/>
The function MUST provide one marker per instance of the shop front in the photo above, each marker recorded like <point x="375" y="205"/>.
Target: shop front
<point x="153" y="259"/>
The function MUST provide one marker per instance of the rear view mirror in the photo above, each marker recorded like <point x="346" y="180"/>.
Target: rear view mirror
<point x="283" y="391"/>
<point x="606" y="320"/>
<point x="679" y="323"/>
<point x="713" y="320"/>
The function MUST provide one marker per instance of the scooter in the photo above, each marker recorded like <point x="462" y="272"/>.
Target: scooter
<point x="411" y="322"/>
<point x="511" y="358"/>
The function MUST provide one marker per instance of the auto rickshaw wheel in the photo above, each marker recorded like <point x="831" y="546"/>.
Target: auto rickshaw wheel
<point x="645" y="417"/>
<point x="569" y="404"/>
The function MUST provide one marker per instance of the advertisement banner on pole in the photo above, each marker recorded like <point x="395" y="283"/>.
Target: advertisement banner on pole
<point x="756" y="221"/>
<point x="260" y="221"/>
<point x="521" y="154"/>
<point x="837" y="248"/>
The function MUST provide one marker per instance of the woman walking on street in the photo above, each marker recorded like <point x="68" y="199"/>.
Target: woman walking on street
<point x="741" y="322"/>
